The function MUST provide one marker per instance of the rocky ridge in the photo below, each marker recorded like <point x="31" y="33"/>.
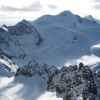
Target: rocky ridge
<point x="11" y="45"/>
<point x="71" y="82"/>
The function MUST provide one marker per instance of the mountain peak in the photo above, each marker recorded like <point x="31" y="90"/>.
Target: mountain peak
<point x="65" y="13"/>
<point x="4" y="26"/>
<point x="90" y="17"/>
<point x="24" y="21"/>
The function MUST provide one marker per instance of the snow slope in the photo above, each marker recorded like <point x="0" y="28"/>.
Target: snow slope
<point x="23" y="88"/>
<point x="65" y="36"/>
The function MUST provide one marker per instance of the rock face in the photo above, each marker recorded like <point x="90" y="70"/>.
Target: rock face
<point x="72" y="82"/>
<point x="32" y="68"/>
<point x="24" y="27"/>
<point x="14" y="39"/>
<point x="90" y="91"/>
<point x="97" y="82"/>
<point x="67" y="81"/>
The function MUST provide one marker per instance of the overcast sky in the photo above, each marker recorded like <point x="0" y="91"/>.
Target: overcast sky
<point x="12" y="11"/>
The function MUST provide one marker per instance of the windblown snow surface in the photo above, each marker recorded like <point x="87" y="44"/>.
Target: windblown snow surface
<point x="59" y="40"/>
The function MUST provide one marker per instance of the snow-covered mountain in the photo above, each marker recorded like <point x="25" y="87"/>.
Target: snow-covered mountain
<point x="19" y="41"/>
<point x="50" y="39"/>
<point x="66" y="35"/>
<point x="53" y="41"/>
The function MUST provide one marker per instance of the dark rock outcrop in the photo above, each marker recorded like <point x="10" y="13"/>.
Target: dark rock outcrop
<point x="71" y="82"/>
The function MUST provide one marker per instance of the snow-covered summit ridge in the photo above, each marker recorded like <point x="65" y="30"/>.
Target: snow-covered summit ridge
<point x="63" y="17"/>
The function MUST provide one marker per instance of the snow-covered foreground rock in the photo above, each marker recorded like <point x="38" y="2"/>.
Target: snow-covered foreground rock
<point x="40" y="81"/>
<point x="69" y="83"/>
<point x="59" y="43"/>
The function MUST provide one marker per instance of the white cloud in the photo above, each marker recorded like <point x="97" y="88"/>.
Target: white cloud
<point x="52" y="6"/>
<point x="86" y="59"/>
<point x="96" y="0"/>
<point x="97" y="6"/>
<point x="28" y="9"/>
<point x="36" y="6"/>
